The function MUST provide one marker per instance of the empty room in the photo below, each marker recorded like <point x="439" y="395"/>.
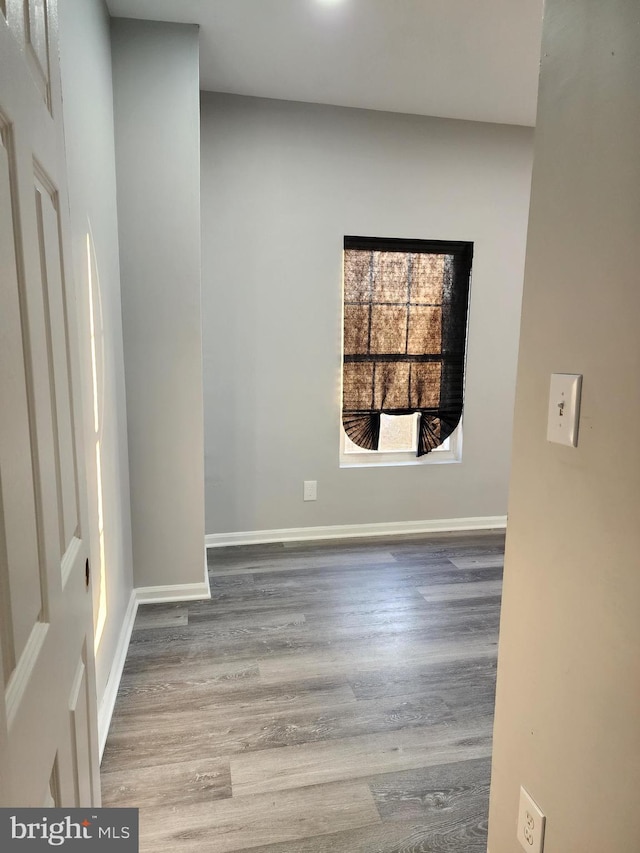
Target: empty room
<point x="313" y="535"/>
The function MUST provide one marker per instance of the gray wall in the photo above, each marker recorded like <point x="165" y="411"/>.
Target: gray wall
<point x="282" y="183"/>
<point x="155" y="74"/>
<point x="567" y="723"/>
<point x="85" y="55"/>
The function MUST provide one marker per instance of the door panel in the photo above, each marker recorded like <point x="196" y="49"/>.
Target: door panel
<point x="53" y="291"/>
<point x="78" y="713"/>
<point x="22" y="599"/>
<point x="36" y="26"/>
<point x="48" y="719"/>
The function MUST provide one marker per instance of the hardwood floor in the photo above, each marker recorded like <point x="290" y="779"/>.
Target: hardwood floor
<point x="333" y="696"/>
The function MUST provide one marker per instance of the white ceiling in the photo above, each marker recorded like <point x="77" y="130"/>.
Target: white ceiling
<point x="467" y="59"/>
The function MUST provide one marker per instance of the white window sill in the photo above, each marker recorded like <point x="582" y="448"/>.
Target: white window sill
<point x="375" y="459"/>
<point x="360" y="462"/>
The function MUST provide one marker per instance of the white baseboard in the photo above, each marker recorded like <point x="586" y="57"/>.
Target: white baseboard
<point x="176" y="592"/>
<point x="173" y="592"/>
<point x="105" y="712"/>
<point x="346" y="531"/>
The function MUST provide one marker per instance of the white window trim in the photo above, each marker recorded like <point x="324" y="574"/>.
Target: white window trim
<point x="375" y="459"/>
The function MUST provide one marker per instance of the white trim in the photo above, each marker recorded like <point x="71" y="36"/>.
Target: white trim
<point x="346" y="531"/>
<point x="173" y="592"/>
<point x="379" y="458"/>
<point x="111" y="690"/>
<point x="176" y="592"/>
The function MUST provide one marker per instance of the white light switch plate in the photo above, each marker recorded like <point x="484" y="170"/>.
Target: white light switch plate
<point x="564" y="408"/>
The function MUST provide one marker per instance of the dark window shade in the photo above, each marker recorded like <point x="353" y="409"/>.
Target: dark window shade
<point x="405" y="329"/>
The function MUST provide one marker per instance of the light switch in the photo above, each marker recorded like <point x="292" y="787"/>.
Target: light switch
<point x="564" y="408"/>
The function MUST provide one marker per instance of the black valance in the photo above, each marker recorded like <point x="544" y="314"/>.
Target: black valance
<point x="405" y="326"/>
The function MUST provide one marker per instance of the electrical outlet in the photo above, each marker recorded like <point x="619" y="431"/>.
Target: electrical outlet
<point x="531" y="823"/>
<point x="310" y="490"/>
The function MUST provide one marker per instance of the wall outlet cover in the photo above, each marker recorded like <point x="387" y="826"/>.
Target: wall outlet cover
<point x="310" y="490"/>
<point x="531" y="824"/>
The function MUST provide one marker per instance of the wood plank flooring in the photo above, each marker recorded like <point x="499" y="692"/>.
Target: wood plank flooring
<point x="332" y="696"/>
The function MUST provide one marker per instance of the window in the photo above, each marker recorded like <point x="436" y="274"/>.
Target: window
<point x="405" y="322"/>
<point x="398" y="445"/>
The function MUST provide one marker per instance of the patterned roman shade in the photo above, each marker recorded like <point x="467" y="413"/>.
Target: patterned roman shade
<point x="405" y="328"/>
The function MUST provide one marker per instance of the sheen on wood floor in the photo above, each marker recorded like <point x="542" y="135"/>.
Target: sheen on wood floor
<point x="333" y="696"/>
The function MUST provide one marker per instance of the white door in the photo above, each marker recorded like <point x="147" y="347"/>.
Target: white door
<point x="48" y="718"/>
